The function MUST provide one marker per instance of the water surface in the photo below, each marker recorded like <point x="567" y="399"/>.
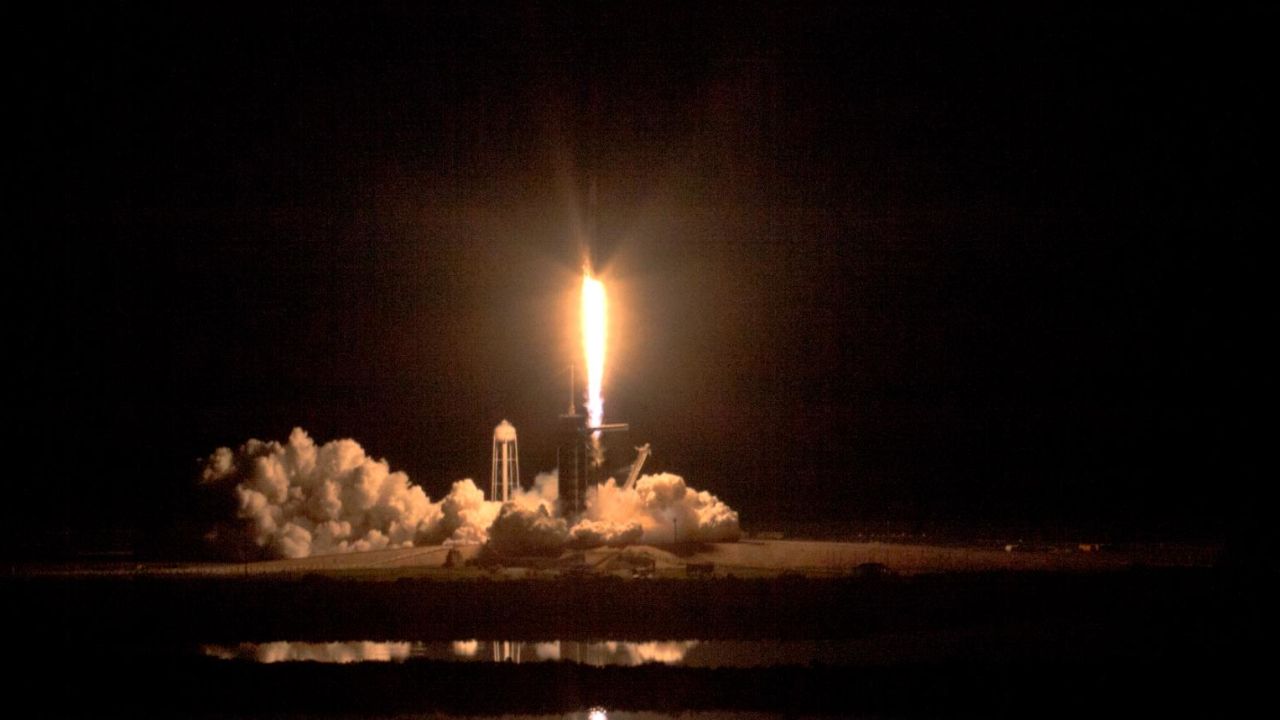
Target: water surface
<point x="621" y="653"/>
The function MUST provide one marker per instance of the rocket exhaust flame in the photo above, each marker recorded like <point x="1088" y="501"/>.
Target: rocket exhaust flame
<point x="594" y="338"/>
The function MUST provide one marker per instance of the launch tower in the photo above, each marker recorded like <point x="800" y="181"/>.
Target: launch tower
<point x="579" y="454"/>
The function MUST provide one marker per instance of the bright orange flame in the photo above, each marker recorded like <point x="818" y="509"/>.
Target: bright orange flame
<point x="594" y="321"/>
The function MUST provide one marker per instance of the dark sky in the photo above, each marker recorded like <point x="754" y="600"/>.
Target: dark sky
<point x="872" y="262"/>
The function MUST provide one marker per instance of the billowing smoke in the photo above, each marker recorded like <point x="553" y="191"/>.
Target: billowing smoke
<point x="298" y="499"/>
<point x="518" y="531"/>
<point x="660" y="508"/>
<point x="594" y="533"/>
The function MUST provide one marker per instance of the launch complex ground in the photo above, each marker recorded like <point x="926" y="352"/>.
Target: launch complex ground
<point x="749" y="558"/>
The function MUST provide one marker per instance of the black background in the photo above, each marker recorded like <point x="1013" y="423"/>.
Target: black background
<point x="935" y="267"/>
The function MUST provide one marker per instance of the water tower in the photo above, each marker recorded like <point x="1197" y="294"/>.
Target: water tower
<point x="505" y="479"/>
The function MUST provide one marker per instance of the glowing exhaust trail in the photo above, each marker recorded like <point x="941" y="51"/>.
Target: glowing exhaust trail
<point x="594" y="321"/>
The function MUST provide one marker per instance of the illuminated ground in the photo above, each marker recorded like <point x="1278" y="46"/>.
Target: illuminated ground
<point x="744" y="559"/>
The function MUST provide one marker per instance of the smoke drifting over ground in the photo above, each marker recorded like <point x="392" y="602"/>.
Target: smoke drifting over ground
<point x="297" y="499"/>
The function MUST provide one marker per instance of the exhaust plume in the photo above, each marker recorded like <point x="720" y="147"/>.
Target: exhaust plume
<point x="594" y="340"/>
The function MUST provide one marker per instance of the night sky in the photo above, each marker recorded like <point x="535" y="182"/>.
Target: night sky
<point x="876" y="263"/>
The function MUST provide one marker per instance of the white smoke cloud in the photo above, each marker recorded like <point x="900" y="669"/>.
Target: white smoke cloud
<point x="467" y="515"/>
<point x="659" y="508"/>
<point x="518" y="531"/>
<point x="594" y="533"/>
<point x="527" y="524"/>
<point x="544" y="494"/>
<point x="298" y="499"/>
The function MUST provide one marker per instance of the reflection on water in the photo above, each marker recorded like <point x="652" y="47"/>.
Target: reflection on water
<point x="592" y="653"/>
<point x="618" y="653"/>
<point x="600" y="713"/>
<point x="333" y="652"/>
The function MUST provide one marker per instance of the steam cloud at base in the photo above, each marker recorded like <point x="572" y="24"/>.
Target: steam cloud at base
<point x="660" y="508"/>
<point x="298" y="499"/>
